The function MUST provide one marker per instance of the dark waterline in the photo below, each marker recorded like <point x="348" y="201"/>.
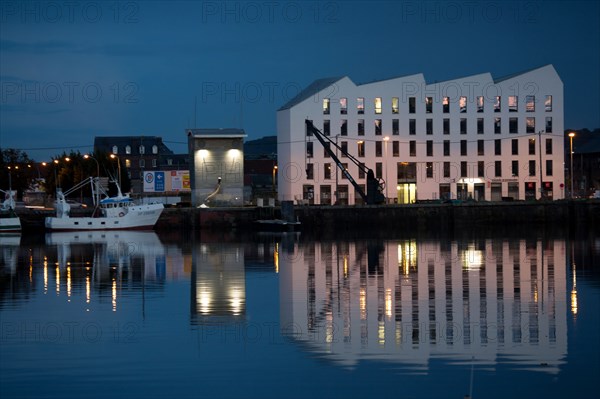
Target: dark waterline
<point x="483" y="312"/>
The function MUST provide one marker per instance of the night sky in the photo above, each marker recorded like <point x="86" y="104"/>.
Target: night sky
<point x="70" y="71"/>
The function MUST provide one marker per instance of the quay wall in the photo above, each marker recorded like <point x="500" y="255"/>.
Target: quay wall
<point x="414" y="217"/>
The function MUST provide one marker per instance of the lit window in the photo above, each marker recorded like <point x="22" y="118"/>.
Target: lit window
<point x="128" y="163"/>
<point x="326" y="106"/>
<point x="395" y="105"/>
<point x="127" y="149"/>
<point x="530" y="103"/>
<point x="497" y="106"/>
<point x="377" y="105"/>
<point x="530" y="124"/>
<point x="360" y="105"/>
<point x="345" y="166"/>
<point x="327" y="170"/>
<point x="412" y="105"/>
<point x="169" y="161"/>
<point x="155" y="149"/>
<point x="513" y="104"/>
<point x="446" y="105"/>
<point x="428" y="105"/>
<point x="480" y="104"/>
<point x="378" y="127"/>
<point x="462" y="104"/>
<point x="361" y="149"/>
<point x="343" y="106"/>
<point x="115" y="149"/>
<point x="142" y="149"/>
<point x="548" y="104"/>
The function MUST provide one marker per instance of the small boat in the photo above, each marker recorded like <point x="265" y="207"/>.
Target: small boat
<point x="9" y="220"/>
<point x="114" y="213"/>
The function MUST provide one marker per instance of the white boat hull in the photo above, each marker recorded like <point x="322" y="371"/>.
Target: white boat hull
<point x="137" y="217"/>
<point x="10" y="224"/>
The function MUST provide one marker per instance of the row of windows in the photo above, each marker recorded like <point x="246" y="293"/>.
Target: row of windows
<point x="378" y="127"/>
<point x="141" y="149"/>
<point x="142" y="163"/>
<point x="407" y="171"/>
<point x="412" y="148"/>
<point x="512" y="104"/>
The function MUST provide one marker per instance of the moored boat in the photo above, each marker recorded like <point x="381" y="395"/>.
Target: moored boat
<point x="9" y="220"/>
<point x="113" y="213"/>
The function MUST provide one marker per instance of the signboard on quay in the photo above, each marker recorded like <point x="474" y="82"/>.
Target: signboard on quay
<point x="166" y="181"/>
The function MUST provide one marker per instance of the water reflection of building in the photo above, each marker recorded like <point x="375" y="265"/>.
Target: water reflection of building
<point x="91" y="266"/>
<point x="218" y="282"/>
<point x="409" y="302"/>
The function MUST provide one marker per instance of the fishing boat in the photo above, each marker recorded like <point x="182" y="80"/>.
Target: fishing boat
<point x="119" y="212"/>
<point x="9" y="220"/>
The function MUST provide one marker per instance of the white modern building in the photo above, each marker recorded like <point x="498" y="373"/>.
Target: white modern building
<point x="473" y="137"/>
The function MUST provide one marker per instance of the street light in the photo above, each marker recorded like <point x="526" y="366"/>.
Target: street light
<point x="274" y="172"/>
<point x="86" y="156"/>
<point x="571" y="135"/>
<point x="113" y="156"/>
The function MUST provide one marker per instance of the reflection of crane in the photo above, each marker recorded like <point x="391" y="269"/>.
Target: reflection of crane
<point x="375" y="186"/>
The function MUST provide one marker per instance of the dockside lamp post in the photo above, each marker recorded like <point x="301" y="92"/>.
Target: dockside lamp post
<point x="113" y="156"/>
<point x="571" y="135"/>
<point x="274" y="174"/>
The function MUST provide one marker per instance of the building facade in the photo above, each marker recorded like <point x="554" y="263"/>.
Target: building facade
<point x="469" y="138"/>
<point x="217" y="166"/>
<point x="140" y="154"/>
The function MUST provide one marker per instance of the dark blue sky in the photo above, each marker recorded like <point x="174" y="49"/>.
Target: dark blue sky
<point x="70" y="71"/>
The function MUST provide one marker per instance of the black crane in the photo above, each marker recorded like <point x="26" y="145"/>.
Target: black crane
<point x="374" y="195"/>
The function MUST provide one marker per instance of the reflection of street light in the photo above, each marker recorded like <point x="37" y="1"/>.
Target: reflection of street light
<point x="540" y="150"/>
<point x="113" y="156"/>
<point x="571" y="135"/>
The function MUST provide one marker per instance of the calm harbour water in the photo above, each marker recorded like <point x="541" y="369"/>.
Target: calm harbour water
<point x="147" y="315"/>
